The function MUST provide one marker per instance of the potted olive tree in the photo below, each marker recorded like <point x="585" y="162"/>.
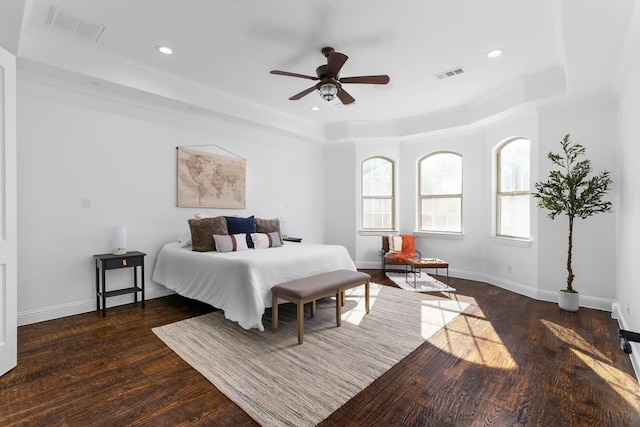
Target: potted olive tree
<point x="572" y="192"/>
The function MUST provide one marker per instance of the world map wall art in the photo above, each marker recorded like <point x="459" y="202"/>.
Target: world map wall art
<point x="210" y="180"/>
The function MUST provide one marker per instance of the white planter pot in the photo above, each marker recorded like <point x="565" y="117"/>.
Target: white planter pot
<point x="568" y="301"/>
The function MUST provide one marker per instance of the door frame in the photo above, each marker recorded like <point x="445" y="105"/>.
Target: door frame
<point x="8" y="214"/>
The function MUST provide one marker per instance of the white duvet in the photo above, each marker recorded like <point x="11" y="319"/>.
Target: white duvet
<point x="239" y="283"/>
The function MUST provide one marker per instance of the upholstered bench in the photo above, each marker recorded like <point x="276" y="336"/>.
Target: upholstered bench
<point x="310" y="289"/>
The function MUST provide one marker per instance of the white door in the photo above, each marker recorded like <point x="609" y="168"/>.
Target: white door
<point x="8" y="213"/>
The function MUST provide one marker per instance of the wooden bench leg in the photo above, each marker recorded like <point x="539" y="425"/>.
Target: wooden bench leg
<point x="366" y="297"/>
<point x="339" y="307"/>
<point x="274" y="312"/>
<point x="300" y="321"/>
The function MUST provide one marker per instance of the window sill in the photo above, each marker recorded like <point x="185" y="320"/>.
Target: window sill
<point x="434" y="235"/>
<point x="511" y="241"/>
<point x="377" y="232"/>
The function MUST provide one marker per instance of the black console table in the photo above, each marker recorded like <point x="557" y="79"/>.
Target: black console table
<point x="292" y="239"/>
<point x="106" y="262"/>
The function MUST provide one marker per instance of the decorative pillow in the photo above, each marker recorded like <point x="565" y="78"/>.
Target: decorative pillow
<point x="230" y="243"/>
<point x="237" y="225"/>
<point x="200" y="215"/>
<point x="268" y="226"/>
<point x="184" y="239"/>
<point x="395" y="243"/>
<point x="266" y="240"/>
<point x="202" y="231"/>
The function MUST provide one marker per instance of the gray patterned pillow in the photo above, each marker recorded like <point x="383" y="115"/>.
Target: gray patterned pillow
<point x="266" y="240"/>
<point x="268" y="226"/>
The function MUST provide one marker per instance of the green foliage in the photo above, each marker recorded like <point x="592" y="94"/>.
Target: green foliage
<point x="570" y="190"/>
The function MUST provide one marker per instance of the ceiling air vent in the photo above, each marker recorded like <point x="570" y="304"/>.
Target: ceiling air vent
<point x="61" y="20"/>
<point x="450" y="73"/>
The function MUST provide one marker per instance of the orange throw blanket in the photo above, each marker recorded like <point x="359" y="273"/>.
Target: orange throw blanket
<point x="408" y="248"/>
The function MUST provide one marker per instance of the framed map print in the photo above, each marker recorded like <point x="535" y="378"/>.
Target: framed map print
<point x="210" y="180"/>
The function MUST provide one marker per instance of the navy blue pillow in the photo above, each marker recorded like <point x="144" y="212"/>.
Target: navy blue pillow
<point x="237" y="225"/>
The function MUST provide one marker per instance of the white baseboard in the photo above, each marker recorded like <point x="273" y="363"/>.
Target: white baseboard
<point x="597" y="303"/>
<point x="368" y="264"/>
<point x="618" y="314"/>
<point x="28" y="317"/>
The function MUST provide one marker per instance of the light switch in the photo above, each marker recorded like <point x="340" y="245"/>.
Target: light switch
<point x="86" y="203"/>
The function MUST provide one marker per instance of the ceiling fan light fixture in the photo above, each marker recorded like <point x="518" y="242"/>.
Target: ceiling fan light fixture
<point x="328" y="91"/>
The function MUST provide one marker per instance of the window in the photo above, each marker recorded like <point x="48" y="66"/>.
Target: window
<point x="513" y="198"/>
<point x="440" y="193"/>
<point x="377" y="194"/>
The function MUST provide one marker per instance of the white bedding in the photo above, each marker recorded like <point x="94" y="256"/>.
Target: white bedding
<point x="240" y="282"/>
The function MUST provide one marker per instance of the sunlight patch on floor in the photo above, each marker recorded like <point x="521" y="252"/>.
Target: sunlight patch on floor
<point x="622" y="383"/>
<point x="485" y="346"/>
<point x="355" y="315"/>
<point x="437" y="313"/>
<point x="569" y="336"/>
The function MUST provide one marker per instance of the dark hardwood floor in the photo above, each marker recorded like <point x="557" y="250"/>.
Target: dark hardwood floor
<point x="506" y="361"/>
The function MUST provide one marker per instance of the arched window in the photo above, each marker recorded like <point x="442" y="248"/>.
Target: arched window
<point x="378" y="203"/>
<point x="440" y="193"/>
<point x="513" y="193"/>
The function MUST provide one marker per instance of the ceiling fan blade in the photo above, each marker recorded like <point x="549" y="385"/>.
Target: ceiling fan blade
<point x="335" y="62"/>
<point x="373" y="80"/>
<point x="286" y="73"/>
<point x="303" y="93"/>
<point x="345" y="97"/>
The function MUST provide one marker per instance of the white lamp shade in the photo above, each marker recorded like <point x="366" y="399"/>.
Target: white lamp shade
<point x="284" y="228"/>
<point x="119" y="240"/>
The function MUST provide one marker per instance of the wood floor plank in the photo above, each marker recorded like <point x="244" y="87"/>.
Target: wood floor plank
<point x="507" y="360"/>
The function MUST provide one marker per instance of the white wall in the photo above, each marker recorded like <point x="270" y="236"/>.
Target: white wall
<point x="338" y="206"/>
<point x="475" y="254"/>
<point x="462" y="252"/>
<point x="74" y="144"/>
<point x="592" y="123"/>
<point x="628" y="204"/>
<point x="512" y="264"/>
<point x="535" y="268"/>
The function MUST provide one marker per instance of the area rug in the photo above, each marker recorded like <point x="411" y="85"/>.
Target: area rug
<point x="424" y="283"/>
<point x="280" y="383"/>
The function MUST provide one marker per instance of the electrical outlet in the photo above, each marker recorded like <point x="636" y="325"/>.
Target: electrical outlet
<point x="86" y="203"/>
<point x="509" y="270"/>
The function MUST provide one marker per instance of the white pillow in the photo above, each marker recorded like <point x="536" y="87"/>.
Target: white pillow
<point x="230" y="242"/>
<point x="185" y="239"/>
<point x="200" y="215"/>
<point x="266" y="240"/>
<point x="395" y="243"/>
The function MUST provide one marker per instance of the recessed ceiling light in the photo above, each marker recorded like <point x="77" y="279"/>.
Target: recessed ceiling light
<point x="164" y="49"/>
<point x="495" y="53"/>
<point x="315" y="108"/>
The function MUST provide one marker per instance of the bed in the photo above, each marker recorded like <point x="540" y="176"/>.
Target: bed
<point x="239" y="283"/>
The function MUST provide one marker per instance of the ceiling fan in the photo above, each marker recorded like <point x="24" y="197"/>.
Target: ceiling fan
<point x="330" y="82"/>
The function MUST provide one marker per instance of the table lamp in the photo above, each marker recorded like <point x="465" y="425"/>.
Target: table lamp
<point x="119" y="240"/>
